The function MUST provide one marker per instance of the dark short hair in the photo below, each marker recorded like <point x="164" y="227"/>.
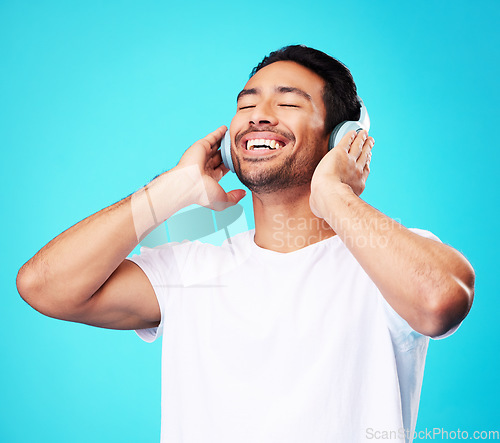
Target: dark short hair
<point x="339" y="93"/>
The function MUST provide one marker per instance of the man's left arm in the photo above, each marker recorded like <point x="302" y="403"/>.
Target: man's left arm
<point x="429" y="284"/>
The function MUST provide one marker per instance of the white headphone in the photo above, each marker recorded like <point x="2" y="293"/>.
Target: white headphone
<point x="338" y="132"/>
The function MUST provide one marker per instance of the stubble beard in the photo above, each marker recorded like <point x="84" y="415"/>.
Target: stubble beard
<point x="292" y="173"/>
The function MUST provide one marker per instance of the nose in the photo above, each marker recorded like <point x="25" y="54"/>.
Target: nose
<point x="263" y="114"/>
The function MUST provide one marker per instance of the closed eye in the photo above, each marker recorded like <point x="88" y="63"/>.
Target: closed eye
<point x="246" y="107"/>
<point x="288" y="106"/>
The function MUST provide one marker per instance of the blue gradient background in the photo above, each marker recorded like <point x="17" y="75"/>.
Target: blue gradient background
<point x="98" y="97"/>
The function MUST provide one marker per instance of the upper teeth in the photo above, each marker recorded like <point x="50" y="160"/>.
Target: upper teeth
<point x="262" y="143"/>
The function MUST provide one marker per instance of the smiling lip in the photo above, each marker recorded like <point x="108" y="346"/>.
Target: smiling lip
<point x="265" y="136"/>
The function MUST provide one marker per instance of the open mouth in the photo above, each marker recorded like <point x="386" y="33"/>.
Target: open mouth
<point x="263" y="144"/>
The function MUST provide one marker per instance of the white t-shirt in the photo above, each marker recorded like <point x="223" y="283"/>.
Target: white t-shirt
<point x="261" y="346"/>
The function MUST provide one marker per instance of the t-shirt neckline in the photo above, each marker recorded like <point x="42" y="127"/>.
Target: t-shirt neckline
<point x="306" y="249"/>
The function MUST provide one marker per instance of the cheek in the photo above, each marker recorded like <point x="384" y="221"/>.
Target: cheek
<point x="318" y="119"/>
<point x="235" y="126"/>
<point x="319" y="124"/>
<point x="318" y="114"/>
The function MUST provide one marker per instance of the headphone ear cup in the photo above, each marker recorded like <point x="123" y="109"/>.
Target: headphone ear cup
<point x="340" y="130"/>
<point x="225" y="150"/>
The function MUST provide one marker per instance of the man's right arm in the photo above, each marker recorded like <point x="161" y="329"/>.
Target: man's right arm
<point x="82" y="274"/>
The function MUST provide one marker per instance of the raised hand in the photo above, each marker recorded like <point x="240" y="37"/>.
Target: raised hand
<point x="347" y="164"/>
<point x="202" y="165"/>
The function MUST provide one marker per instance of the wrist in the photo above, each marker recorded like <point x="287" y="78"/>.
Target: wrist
<point x="163" y="197"/>
<point x="330" y="197"/>
<point x="176" y="189"/>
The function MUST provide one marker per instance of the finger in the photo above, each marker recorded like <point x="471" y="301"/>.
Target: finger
<point x="365" y="155"/>
<point x="215" y="137"/>
<point x="213" y="140"/>
<point x="357" y="145"/>
<point x="233" y="197"/>
<point x="217" y="171"/>
<point x="368" y="161"/>
<point x="366" y="169"/>
<point x="215" y="160"/>
<point x="224" y="170"/>
<point x="346" y="141"/>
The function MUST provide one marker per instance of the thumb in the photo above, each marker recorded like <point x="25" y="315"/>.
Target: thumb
<point x="233" y="197"/>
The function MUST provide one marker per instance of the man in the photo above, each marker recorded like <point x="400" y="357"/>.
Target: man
<point x="312" y="328"/>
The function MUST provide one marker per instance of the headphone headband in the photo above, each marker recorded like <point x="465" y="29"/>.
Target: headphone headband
<point x="364" y="118"/>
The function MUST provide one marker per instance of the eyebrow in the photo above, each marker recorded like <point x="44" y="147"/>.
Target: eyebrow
<point x="278" y="89"/>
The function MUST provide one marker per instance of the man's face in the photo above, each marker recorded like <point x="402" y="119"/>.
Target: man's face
<point x="277" y="134"/>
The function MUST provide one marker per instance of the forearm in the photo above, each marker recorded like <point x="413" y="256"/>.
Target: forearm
<point x="428" y="283"/>
<point x="74" y="265"/>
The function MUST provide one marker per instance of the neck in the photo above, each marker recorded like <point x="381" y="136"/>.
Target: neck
<point x="284" y="221"/>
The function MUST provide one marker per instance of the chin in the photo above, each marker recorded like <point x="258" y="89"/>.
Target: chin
<point x="272" y="180"/>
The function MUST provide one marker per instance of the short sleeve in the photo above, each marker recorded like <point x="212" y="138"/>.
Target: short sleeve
<point x="403" y="336"/>
<point x="169" y="266"/>
<point x="160" y="267"/>
<point x="425" y="234"/>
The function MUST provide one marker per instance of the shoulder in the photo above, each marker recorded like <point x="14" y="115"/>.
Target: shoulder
<point x="195" y="259"/>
